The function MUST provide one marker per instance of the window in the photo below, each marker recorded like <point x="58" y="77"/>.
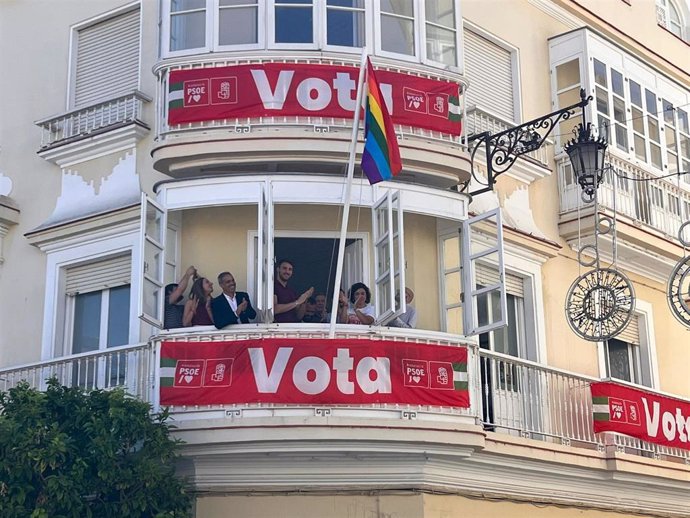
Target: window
<point x="413" y="30"/>
<point x="490" y="68"/>
<point x="567" y="86"/>
<point x="106" y="58"/>
<point x="631" y="356"/>
<point x="669" y="16"/>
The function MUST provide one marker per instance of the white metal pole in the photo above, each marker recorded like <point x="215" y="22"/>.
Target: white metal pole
<point x="348" y="190"/>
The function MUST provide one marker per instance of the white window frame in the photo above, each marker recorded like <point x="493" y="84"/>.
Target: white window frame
<point x="74" y="45"/>
<point x="145" y="242"/>
<point x="166" y="32"/>
<point x="458" y="39"/>
<point x="649" y="367"/>
<point x="322" y="30"/>
<point x="55" y="308"/>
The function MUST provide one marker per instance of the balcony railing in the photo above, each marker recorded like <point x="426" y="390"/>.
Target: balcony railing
<point x="508" y="395"/>
<point x="87" y="121"/>
<point x="246" y="124"/>
<point x="660" y="204"/>
<point x="128" y="367"/>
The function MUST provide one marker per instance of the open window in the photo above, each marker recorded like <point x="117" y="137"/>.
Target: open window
<point x="389" y="257"/>
<point x="482" y="244"/>
<point x="264" y="262"/>
<point x="153" y="230"/>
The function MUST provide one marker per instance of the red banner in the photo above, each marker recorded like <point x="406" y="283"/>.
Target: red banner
<point x="293" y="89"/>
<point x="313" y="372"/>
<point x="644" y="415"/>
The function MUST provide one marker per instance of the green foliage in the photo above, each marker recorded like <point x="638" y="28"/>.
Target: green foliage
<point x="67" y="453"/>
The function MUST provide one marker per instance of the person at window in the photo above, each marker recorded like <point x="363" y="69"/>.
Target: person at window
<point x="174" y="293"/>
<point x="287" y="306"/>
<point x="343" y="307"/>
<point x="231" y="306"/>
<point x="197" y="310"/>
<point x="316" y="310"/>
<point x="409" y="318"/>
<point x="360" y="310"/>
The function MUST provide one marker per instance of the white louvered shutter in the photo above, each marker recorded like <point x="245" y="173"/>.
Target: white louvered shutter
<point x="107" y="63"/>
<point x="100" y="275"/>
<point x="489" y="68"/>
<point x="631" y="334"/>
<point x="486" y="276"/>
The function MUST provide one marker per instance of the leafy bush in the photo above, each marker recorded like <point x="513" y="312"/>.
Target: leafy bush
<point x="68" y="453"/>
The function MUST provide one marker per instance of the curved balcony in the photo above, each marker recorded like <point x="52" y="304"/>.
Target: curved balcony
<point x="292" y="143"/>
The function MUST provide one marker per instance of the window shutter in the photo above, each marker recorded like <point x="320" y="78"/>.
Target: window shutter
<point x="107" y="59"/>
<point x="100" y="275"/>
<point x="489" y="69"/>
<point x="631" y="334"/>
<point x="486" y="276"/>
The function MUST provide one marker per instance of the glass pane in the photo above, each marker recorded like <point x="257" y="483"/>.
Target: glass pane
<point x="635" y="94"/>
<point x="651" y="102"/>
<point x="683" y="121"/>
<point x="153" y="261"/>
<point x="639" y="148"/>
<point x="600" y="73"/>
<point x="441" y="12"/>
<point x="154" y="229"/>
<point x="670" y="138"/>
<point x="619" y="360"/>
<point x="237" y="2"/>
<point x="397" y="35"/>
<point x="619" y="109"/>
<point x="169" y="274"/>
<point x="602" y="100"/>
<point x="186" y="5"/>
<point x="617" y="82"/>
<point x="382" y="220"/>
<point x="452" y="287"/>
<point x="655" y="152"/>
<point x="653" y="126"/>
<point x="440" y="45"/>
<point x="668" y="112"/>
<point x="188" y="31"/>
<point x="346" y="28"/>
<point x="395" y="221"/>
<point x="638" y="121"/>
<point x="685" y="147"/>
<point x="150" y="298"/>
<point x="384" y="303"/>
<point x="294" y="24"/>
<point x="87" y="322"/>
<point x="622" y="137"/>
<point x="568" y="97"/>
<point x="396" y="256"/>
<point x="672" y="163"/>
<point x="451" y="253"/>
<point x="568" y="74"/>
<point x="118" y="317"/>
<point x="605" y="128"/>
<point x="399" y="7"/>
<point x="238" y="26"/>
<point x="359" y="4"/>
<point x="384" y="262"/>
<point x="482" y="310"/>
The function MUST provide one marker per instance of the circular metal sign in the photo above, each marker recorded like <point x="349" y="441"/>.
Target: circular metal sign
<point x="600" y="304"/>
<point x="678" y="291"/>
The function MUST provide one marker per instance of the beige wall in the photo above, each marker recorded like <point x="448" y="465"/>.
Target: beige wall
<point x="411" y="505"/>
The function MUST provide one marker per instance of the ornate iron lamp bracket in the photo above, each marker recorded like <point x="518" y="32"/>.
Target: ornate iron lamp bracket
<point x="502" y="149"/>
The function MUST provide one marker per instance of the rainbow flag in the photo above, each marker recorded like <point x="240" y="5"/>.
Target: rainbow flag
<point x="381" y="156"/>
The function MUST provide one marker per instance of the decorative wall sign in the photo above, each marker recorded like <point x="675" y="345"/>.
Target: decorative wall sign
<point x="600" y="304"/>
<point x="678" y="289"/>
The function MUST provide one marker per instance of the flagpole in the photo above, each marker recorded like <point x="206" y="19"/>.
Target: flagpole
<point x="348" y="190"/>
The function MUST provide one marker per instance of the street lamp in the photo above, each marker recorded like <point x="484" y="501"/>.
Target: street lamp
<point x="587" y="153"/>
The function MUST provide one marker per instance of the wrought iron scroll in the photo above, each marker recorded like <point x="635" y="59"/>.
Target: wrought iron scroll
<point x="678" y="289"/>
<point x="504" y="148"/>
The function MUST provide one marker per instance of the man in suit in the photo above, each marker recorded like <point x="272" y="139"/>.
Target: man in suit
<point x="231" y="307"/>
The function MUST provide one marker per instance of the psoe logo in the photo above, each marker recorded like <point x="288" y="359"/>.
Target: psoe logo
<point x="416" y="373"/>
<point x="438" y="105"/>
<point x="617" y="410"/>
<point x="415" y="100"/>
<point x="224" y="90"/>
<point x="196" y="92"/>
<point x="218" y="372"/>
<point x="189" y="373"/>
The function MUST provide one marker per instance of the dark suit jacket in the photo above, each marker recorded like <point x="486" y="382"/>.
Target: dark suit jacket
<point x="223" y="314"/>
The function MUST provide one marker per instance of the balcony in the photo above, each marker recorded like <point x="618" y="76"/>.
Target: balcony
<point x="103" y="126"/>
<point x="292" y="143"/>
<point x="649" y="212"/>
<point x="509" y="396"/>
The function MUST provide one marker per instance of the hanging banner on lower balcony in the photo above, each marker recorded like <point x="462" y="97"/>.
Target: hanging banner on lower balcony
<point x="307" y="90"/>
<point x="641" y="414"/>
<point x="313" y="372"/>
